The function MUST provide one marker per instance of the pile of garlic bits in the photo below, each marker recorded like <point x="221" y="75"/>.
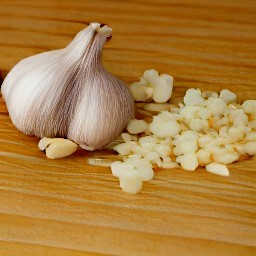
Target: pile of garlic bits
<point x="207" y="129"/>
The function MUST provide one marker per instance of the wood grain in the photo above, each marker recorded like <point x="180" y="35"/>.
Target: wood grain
<point x="65" y="207"/>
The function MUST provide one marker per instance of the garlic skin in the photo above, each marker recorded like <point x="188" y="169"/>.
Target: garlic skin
<point x="67" y="93"/>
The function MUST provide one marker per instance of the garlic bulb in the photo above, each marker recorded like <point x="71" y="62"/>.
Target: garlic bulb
<point x="67" y="93"/>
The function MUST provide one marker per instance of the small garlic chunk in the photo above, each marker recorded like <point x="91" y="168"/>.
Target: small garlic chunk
<point x="249" y="106"/>
<point x="132" y="173"/>
<point x="238" y="117"/>
<point x="193" y="97"/>
<point x="216" y="105"/>
<point x="137" y="126"/>
<point x="228" y="96"/>
<point x="185" y="143"/>
<point x="140" y="92"/>
<point x="124" y="149"/>
<point x="198" y="124"/>
<point x="128" y="137"/>
<point x="163" y="150"/>
<point x="57" y="147"/>
<point x="250" y="148"/>
<point x="151" y="85"/>
<point x="204" y="157"/>
<point x="224" y="157"/>
<point x="188" y="162"/>
<point x="163" y="126"/>
<point x="216" y="168"/>
<point x="162" y="88"/>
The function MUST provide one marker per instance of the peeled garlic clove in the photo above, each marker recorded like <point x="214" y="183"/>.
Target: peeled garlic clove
<point x="67" y="93"/>
<point x="44" y="143"/>
<point x="57" y="148"/>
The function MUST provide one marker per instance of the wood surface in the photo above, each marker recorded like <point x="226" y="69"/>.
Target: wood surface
<point x="65" y="207"/>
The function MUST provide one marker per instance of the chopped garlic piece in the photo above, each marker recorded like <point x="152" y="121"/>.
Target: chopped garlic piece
<point x="193" y="97"/>
<point x="216" y="105"/>
<point x="131" y="185"/>
<point x="236" y="132"/>
<point x="204" y="157"/>
<point x="150" y="75"/>
<point x="163" y="150"/>
<point x="164" y="128"/>
<point x="152" y="156"/>
<point x="124" y="149"/>
<point x="140" y="92"/>
<point x="225" y="157"/>
<point x="128" y="137"/>
<point x="228" y="96"/>
<point x="238" y="117"/>
<point x="216" y="168"/>
<point x="137" y="126"/>
<point x="131" y="173"/>
<point x="151" y="85"/>
<point x="185" y="143"/>
<point x="250" y="148"/>
<point x="198" y="124"/>
<point x="188" y="162"/>
<point x="249" y="106"/>
<point x="162" y="88"/>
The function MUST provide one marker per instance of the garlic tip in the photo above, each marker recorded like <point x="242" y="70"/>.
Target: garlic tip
<point x="102" y="29"/>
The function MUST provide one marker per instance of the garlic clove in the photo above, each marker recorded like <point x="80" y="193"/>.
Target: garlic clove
<point x="67" y="93"/>
<point x="57" y="147"/>
<point x="44" y="143"/>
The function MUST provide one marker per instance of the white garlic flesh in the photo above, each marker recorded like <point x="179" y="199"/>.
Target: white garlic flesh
<point x="67" y="93"/>
<point x="57" y="147"/>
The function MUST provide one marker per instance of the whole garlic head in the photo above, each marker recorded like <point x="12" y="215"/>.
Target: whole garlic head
<point x="67" y="93"/>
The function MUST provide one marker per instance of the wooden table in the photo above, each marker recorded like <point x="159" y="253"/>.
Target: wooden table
<point x="65" y="207"/>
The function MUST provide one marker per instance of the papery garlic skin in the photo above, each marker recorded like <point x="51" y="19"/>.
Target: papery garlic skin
<point x="67" y="93"/>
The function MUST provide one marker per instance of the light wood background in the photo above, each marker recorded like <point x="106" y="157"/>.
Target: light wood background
<point x="65" y="207"/>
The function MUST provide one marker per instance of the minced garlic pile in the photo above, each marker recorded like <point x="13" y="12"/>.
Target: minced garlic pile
<point x="206" y="129"/>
